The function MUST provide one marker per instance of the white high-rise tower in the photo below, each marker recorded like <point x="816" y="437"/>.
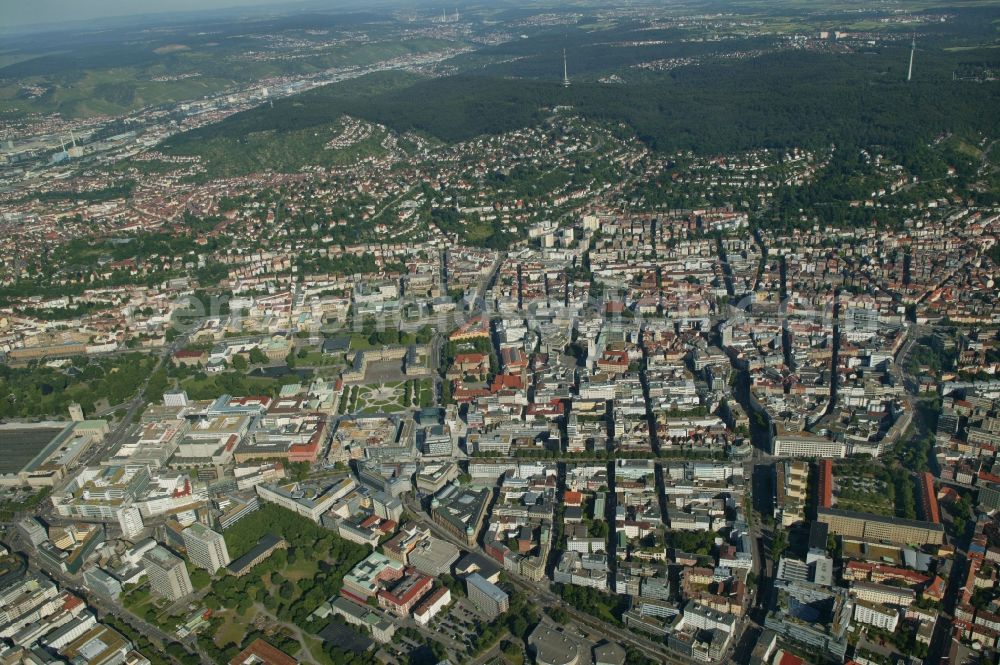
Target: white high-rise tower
<point x="565" y="71"/>
<point x="206" y="548"/>
<point x="168" y="576"/>
<point x="913" y="49"/>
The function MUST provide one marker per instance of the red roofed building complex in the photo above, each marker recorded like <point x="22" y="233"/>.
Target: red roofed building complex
<point x="786" y="658"/>
<point x="462" y="395"/>
<point x="472" y="329"/>
<point x="825" y="489"/>
<point x="928" y="498"/>
<point x="935" y="589"/>
<point x="405" y="594"/>
<point x="553" y="409"/>
<point x="190" y="358"/>
<point x="469" y="364"/>
<point x="878" y="573"/>
<point x="985" y="477"/>
<point x="432" y="605"/>
<point x="71" y="603"/>
<point x="263" y="653"/>
<point x="513" y="360"/>
<point x="613" y="362"/>
<point x="506" y="382"/>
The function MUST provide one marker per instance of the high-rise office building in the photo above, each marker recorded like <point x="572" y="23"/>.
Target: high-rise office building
<point x="206" y="548"/>
<point x="168" y="576"/>
<point x="130" y="520"/>
<point x="488" y="597"/>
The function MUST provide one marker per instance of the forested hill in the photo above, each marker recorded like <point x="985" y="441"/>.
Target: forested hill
<point x="777" y="99"/>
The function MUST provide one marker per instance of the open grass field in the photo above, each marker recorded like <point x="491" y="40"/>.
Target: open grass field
<point x="319" y="359"/>
<point x="234" y="627"/>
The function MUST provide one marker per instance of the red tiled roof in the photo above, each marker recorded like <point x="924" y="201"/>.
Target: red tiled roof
<point x="478" y="327"/>
<point x="860" y="565"/>
<point x="790" y="659"/>
<point x="928" y="498"/>
<point x="419" y="587"/>
<point x="71" y="602"/>
<point x="989" y="477"/>
<point x="825" y="490"/>
<point x="474" y="358"/>
<point x="434" y="597"/>
<point x="509" y="381"/>
<point x="264" y="653"/>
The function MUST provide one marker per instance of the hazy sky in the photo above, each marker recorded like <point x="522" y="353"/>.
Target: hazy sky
<point x="26" y="12"/>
